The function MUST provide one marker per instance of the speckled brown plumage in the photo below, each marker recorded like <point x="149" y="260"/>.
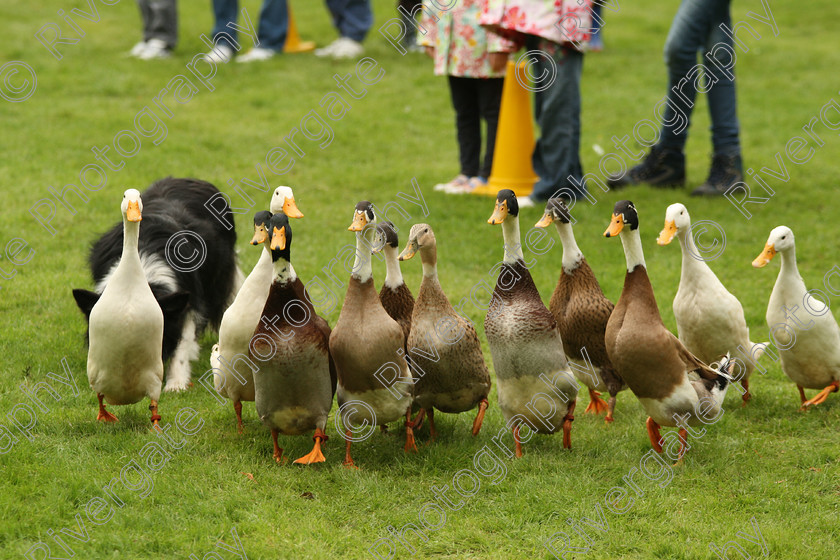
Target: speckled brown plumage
<point x="582" y="312"/>
<point x="399" y="304"/>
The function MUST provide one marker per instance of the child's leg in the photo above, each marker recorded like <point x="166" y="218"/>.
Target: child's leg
<point x="465" y="96"/>
<point x="489" y="101"/>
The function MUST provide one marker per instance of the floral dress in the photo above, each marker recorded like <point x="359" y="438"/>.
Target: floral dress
<point x="459" y="41"/>
<point x="559" y="21"/>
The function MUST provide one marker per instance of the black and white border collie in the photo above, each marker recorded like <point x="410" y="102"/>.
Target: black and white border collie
<point x="189" y="260"/>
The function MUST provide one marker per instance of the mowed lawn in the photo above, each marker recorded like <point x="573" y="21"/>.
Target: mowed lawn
<point x="765" y="476"/>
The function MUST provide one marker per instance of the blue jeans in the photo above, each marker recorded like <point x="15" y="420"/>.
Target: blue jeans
<point x="352" y="18"/>
<point x="271" y="29"/>
<point x="696" y="27"/>
<point x="557" y="110"/>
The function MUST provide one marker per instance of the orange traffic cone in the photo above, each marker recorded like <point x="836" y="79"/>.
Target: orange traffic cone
<point x="293" y="42"/>
<point x="515" y="142"/>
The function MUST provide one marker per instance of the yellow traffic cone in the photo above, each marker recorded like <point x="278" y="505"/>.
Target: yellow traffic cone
<point x="515" y="142"/>
<point x="293" y="42"/>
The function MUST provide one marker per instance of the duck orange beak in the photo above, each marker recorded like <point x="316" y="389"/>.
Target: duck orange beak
<point x="359" y="222"/>
<point x="545" y="221"/>
<point x="409" y="251"/>
<point x="260" y="235"/>
<point x="278" y="239"/>
<point x="668" y="232"/>
<point x="500" y="212"/>
<point x="766" y="255"/>
<point x="291" y="209"/>
<point x="616" y="225"/>
<point x="133" y="212"/>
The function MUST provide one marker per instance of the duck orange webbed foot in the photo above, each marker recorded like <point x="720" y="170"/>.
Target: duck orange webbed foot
<point x="278" y="451"/>
<point x="104" y="415"/>
<point x="479" y="418"/>
<point x="567" y="425"/>
<point x="348" y="460"/>
<point x="596" y="405"/>
<point x="155" y="416"/>
<point x="746" y="396"/>
<point x="314" y="456"/>
<point x="410" y="444"/>
<point x="653" y="434"/>
<point x="518" y="452"/>
<point x="237" y="408"/>
<point x="822" y="395"/>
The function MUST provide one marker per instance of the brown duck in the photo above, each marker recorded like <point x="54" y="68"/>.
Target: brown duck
<point x="582" y="312"/>
<point x="673" y="385"/>
<point x="449" y="369"/>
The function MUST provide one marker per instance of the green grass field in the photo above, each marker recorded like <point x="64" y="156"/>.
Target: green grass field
<point x="767" y="461"/>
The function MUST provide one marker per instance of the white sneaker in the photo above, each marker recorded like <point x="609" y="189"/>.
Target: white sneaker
<point x="137" y="49"/>
<point x="221" y="54"/>
<point x="328" y="50"/>
<point x="155" y="48"/>
<point x="343" y="47"/>
<point x="525" y="201"/>
<point x="257" y="53"/>
<point x="347" y="48"/>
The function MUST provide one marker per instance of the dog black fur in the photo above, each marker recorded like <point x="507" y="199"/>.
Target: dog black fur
<point x="199" y="296"/>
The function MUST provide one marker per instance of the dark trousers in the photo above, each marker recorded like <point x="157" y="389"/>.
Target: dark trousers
<point x="475" y="99"/>
<point x="160" y="20"/>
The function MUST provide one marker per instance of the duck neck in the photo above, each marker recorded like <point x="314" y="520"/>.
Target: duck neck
<point x="691" y="258"/>
<point x="131" y="236"/>
<point x="789" y="271"/>
<point x="632" y="242"/>
<point x="393" y="274"/>
<point x="283" y="271"/>
<point x="513" y="245"/>
<point x="362" y="267"/>
<point x="571" y="253"/>
<point x="428" y="256"/>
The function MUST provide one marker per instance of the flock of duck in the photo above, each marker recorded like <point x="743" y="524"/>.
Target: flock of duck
<point x="390" y="356"/>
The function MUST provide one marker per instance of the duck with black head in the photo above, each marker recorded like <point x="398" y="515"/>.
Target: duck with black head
<point x="368" y="346"/>
<point x="533" y="378"/>
<point x="674" y="386"/>
<point x="295" y="383"/>
<point x="582" y="311"/>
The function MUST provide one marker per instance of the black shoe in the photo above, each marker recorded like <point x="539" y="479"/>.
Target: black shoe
<point x="662" y="167"/>
<point x="725" y="172"/>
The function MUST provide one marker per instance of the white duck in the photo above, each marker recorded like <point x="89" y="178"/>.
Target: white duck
<point x="234" y="371"/>
<point x="808" y="344"/>
<point x="126" y="328"/>
<point x="710" y="320"/>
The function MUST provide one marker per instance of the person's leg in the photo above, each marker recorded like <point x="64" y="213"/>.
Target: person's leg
<point x="664" y="166"/>
<point x="464" y="93"/>
<point x="689" y="32"/>
<point x="225" y="12"/>
<point x="163" y="23"/>
<point x="557" y="109"/>
<point x="726" y="168"/>
<point x="410" y="39"/>
<point x="490" y="99"/>
<point x="721" y="95"/>
<point x="353" y="18"/>
<point x="274" y="24"/>
<point x="146" y="17"/>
